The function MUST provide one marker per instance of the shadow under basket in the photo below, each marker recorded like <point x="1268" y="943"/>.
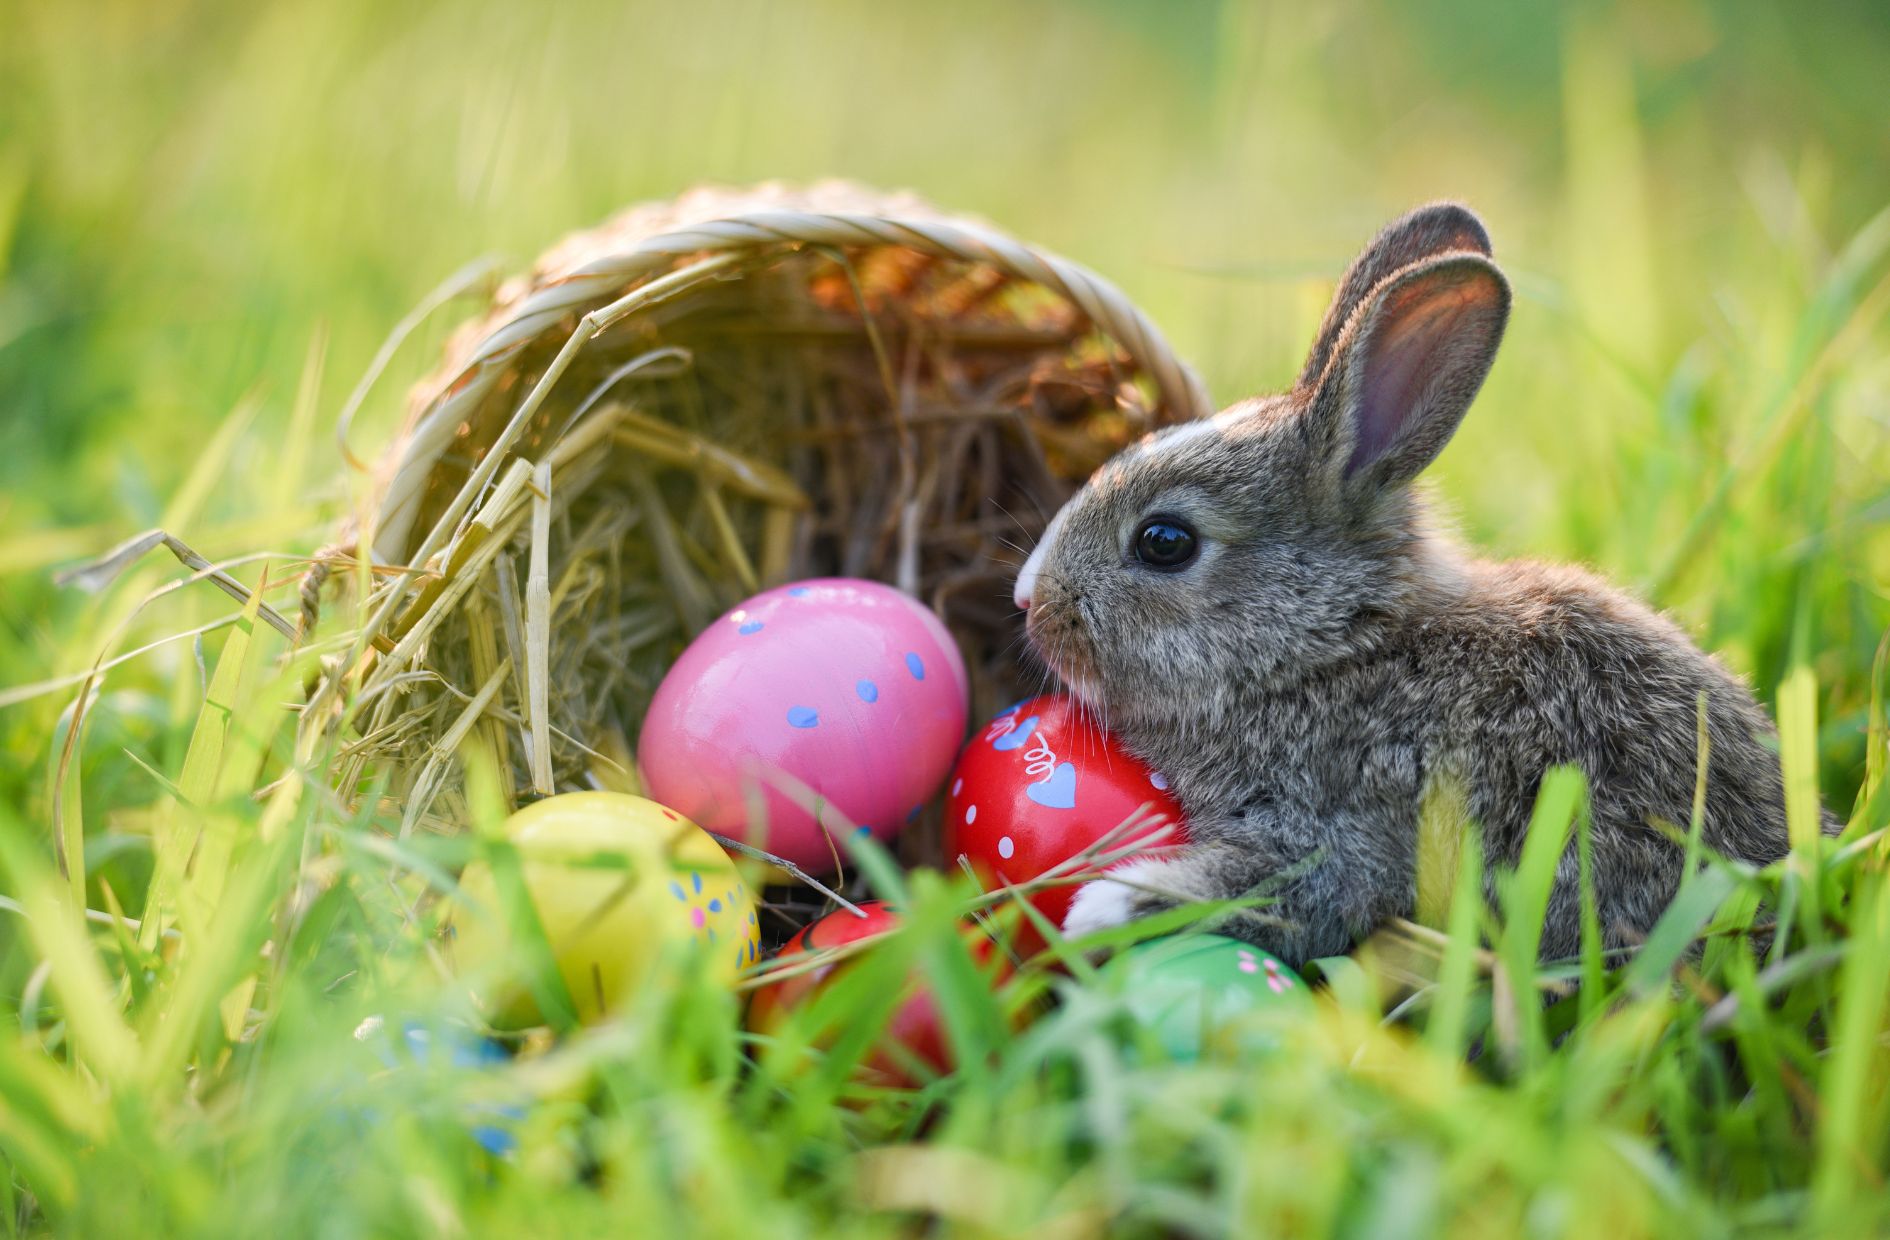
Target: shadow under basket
<point x="696" y="400"/>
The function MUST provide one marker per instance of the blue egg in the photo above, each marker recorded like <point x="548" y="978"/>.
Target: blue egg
<point x="491" y="1124"/>
<point x="501" y="1142"/>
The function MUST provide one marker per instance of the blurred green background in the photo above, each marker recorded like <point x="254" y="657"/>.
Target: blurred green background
<point x="200" y="205"/>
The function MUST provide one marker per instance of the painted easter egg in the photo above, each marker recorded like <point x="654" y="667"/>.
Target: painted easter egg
<point x="827" y="695"/>
<point x="615" y="880"/>
<point x="1037" y="786"/>
<point x="455" y="1053"/>
<point x="914" y="1026"/>
<point x="1202" y="993"/>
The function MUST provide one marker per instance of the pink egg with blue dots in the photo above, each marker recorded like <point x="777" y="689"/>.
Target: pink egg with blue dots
<point x="835" y="694"/>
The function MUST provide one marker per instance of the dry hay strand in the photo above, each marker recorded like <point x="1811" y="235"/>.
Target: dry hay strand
<point x="698" y="399"/>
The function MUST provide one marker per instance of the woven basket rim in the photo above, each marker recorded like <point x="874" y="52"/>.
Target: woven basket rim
<point x="554" y="297"/>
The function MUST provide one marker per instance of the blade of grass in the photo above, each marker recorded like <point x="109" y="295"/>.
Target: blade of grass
<point x="57" y="930"/>
<point x="1456" y="976"/>
<point x="1798" y="752"/>
<point x="1847" y="1142"/>
<point x="1526" y="905"/>
<point x="1676" y="931"/>
<point x="1443" y="819"/>
<point x="1593" y="991"/>
<point x="1876" y="741"/>
<point x="40" y="1153"/>
<point x="68" y="806"/>
<point x="222" y="954"/>
<point x="538" y="631"/>
<point x="1696" y="822"/>
<point x="960" y="990"/>
<point x="183" y="827"/>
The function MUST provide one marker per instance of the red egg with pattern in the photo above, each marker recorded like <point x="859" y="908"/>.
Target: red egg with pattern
<point x="915" y="1025"/>
<point x="1040" y="784"/>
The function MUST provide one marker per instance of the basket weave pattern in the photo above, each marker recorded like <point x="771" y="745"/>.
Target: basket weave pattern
<point x="698" y="398"/>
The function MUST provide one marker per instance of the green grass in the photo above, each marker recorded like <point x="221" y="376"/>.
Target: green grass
<point x="211" y="216"/>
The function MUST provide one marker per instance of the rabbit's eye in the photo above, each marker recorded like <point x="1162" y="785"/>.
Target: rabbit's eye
<point x="1164" y="542"/>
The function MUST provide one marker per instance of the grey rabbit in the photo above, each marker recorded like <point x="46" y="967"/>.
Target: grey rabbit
<point x="1260" y="607"/>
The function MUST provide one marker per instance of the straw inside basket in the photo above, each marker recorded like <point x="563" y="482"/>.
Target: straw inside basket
<point x="656" y="424"/>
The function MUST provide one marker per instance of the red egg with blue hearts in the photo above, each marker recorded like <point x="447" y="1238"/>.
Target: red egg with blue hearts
<point x="811" y="708"/>
<point x="1040" y="784"/>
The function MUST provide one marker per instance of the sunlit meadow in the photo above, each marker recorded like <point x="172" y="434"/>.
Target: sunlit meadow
<point x="211" y="216"/>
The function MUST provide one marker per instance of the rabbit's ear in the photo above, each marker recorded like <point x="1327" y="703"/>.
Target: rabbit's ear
<point x="1405" y="369"/>
<point x="1441" y="228"/>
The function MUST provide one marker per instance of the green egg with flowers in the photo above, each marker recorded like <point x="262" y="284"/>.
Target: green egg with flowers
<point x="1208" y="995"/>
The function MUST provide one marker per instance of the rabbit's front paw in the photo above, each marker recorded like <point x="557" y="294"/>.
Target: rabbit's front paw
<point x="1112" y="901"/>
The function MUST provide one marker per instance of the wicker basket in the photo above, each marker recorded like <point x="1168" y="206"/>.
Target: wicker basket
<point x="696" y="399"/>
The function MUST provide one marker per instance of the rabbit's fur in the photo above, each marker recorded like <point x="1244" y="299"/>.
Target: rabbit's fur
<point x="1329" y="659"/>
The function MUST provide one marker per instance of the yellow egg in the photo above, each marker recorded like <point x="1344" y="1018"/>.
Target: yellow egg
<point x="616" y="881"/>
